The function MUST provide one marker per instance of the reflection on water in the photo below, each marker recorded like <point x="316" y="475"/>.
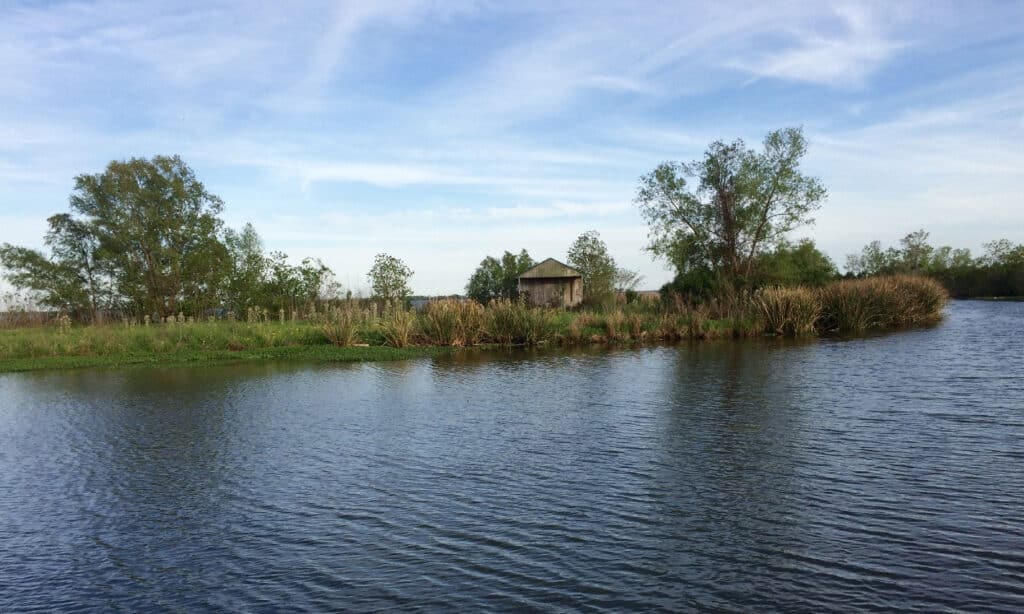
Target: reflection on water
<point x="880" y="473"/>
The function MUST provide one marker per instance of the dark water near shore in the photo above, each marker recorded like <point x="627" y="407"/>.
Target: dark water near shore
<point x="867" y="474"/>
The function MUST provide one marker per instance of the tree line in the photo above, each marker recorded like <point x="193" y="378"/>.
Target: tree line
<point x="999" y="272"/>
<point x="145" y="237"/>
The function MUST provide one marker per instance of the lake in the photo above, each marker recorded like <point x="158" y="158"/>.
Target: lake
<point x="864" y="474"/>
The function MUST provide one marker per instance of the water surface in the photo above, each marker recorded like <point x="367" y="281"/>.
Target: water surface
<point x="866" y="474"/>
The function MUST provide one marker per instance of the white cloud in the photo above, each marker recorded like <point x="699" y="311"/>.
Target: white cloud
<point x="843" y="59"/>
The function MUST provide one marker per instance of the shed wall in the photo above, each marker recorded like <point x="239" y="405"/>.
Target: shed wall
<point x="557" y="291"/>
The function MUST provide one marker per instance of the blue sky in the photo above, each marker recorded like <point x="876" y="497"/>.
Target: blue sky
<point x="442" y="132"/>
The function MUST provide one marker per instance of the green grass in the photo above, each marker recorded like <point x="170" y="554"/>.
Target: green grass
<point x="311" y="354"/>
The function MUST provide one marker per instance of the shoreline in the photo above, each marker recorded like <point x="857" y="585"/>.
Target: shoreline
<point x="314" y="354"/>
<point x="333" y="354"/>
<point x="352" y="332"/>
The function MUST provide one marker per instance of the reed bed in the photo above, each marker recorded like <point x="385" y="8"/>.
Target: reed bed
<point x="452" y="322"/>
<point x="791" y="312"/>
<point x="398" y="326"/>
<point x="877" y="303"/>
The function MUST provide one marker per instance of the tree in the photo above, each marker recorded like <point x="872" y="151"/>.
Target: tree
<point x="872" y="260"/>
<point x="495" y="278"/>
<point x="744" y="203"/>
<point x="247" y="278"/>
<point x="796" y="264"/>
<point x="627" y="280"/>
<point x="589" y="255"/>
<point x="389" y="278"/>
<point x="157" y="227"/>
<point x="72" y="278"/>
<point x="51" y="283"/>
<point x="916" y="255"/>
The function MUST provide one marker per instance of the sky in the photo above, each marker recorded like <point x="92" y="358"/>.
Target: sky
<point x="445" y="131"/>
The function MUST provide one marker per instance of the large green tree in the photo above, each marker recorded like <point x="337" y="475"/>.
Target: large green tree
<point x="589" y="255"/>
<point x="157" y="226"/>
<point x="495" y="278"/>
<point x="742" y="203"/>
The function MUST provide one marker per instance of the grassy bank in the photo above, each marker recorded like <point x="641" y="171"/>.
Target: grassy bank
<point x="350" y="332"/>
<point x="310" y="354"/>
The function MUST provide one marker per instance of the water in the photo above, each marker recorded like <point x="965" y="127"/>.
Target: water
<point x="868" y="474"/>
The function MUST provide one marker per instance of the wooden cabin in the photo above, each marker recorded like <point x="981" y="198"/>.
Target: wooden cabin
<point x="552" y="284"/>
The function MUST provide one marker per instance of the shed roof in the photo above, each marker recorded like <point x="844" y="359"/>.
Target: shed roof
<point x="550" y="268"/>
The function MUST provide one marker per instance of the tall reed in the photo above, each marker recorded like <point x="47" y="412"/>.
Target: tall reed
<point x="509" y="322"/>
<point x="341" y="325"/>
<point x="452" y="323"/>
<point x="792" y="312"/>
<point x="858" y="305"/>
<point x="398" y="325"/>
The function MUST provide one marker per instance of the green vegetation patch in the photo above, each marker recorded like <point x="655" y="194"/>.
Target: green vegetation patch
<point x="312" y="354"/>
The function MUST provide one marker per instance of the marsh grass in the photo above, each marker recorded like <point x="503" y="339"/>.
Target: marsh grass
<point x="791" y="312"/>
<point x="452" y="322"/>
<point x="398" y="326"/>
<point x="860" y="305"/>
<point x="340" y="325"/>
<point x="109" y="340"/>
<point x="509" y="322"/>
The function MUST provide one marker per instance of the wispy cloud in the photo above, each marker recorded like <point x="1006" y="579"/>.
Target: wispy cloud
<point x="842" y="58"/>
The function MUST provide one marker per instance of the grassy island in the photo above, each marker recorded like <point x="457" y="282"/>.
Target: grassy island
<point x="359" y="331"/>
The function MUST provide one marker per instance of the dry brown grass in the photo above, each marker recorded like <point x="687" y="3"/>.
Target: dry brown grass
<point x="792" y="312"/>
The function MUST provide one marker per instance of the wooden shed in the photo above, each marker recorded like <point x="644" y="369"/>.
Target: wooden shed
<point x="552" y="284"/>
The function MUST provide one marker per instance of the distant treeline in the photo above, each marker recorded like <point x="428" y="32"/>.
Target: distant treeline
<point x="999" y="272"/>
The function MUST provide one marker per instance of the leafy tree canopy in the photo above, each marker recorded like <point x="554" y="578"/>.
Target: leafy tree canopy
<point x="495" y="278"/>
<point x="796" y="264"/>
<point x="144" y="237"/>
<point x="589" y="255"/>
<point x="389" y="278"/>
<point x="741" y="205"/>
<point x="157" y="226"/>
